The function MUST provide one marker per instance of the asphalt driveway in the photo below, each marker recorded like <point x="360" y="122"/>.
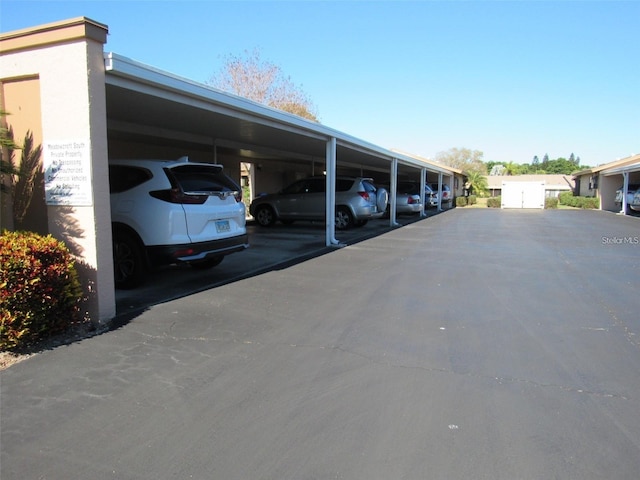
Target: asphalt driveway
<point x="475" y="344"/>
<point x="273" y="248"/>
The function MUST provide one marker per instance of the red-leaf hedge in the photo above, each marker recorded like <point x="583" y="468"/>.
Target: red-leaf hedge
<point x="39" y="289"/>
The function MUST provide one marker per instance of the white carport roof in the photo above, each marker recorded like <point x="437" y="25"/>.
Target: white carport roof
<point x="634" y="167"/>
<point x="144" y="102"/>
<point x="625" y="165"/>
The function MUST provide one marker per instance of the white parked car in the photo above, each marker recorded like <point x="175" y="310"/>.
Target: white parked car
<point x="167" y="212"/>
<point x="635" y="202"/>
<point x="408" y="200"/>
<point x="632" y="189"/>
<point x="446" y="194"/>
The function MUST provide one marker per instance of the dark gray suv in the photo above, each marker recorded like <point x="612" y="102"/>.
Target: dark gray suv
<point x="357" y="201"/>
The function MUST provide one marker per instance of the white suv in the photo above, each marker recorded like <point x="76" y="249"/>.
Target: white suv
<point x="166" y="212"/>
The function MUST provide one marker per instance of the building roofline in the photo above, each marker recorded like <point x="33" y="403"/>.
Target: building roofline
<point x="444" y="168"/>
<point x="551" y="179"/>
<point x="621" y="163"/>
<point x="53" y="33"/>
<point x="123" y="70"/>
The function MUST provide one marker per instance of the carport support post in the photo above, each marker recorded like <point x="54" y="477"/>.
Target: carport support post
<point x="423" y="186"/>
<point x="393" y="194"/>
<point x="439" y="191"/>
<point x="625" y="189"/>
<point x="330" y="197"/>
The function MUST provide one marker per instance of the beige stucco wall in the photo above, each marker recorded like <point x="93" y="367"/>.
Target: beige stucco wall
<point x="607" y="187"/>
<point x="21" y="99"/>
<point x="67" y="58"/>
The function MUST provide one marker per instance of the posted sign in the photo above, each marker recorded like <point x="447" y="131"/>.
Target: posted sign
<point x="67" y="173"/>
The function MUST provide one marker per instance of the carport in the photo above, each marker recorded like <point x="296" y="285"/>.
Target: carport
<point x="152" y="113"/>
<point x="611" y="182"/>
<point x="606" y="179"/>
<point x="79" y="102"/>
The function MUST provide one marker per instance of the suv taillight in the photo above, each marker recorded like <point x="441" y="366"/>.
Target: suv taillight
<point x="175" y="195"/>
<point x="364" y="195"/>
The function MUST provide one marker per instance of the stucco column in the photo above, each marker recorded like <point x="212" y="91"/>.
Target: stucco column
<point x="67" y="59"/>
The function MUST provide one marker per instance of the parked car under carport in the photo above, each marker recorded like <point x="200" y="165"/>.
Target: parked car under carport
<point x="358" y="200"/>
<point x="632" y="190"/>
<point x="408" y="200"/>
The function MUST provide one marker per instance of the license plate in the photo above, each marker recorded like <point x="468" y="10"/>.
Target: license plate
<point x="222" y="226"/>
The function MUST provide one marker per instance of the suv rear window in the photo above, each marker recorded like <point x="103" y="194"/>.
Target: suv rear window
<point x="123" y="177"/>
<point x="368" y="187"/>
<point x="343" y="184"/>
<point x="202" y="178"/>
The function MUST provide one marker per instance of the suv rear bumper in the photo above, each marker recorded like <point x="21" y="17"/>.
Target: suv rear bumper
<point x="192" y="252"/>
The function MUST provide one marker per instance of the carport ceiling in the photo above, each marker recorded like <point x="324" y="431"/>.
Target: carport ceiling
<point x="138" y="116"/>
<point x="132" y="114"/>
<point x="146" y="105"/>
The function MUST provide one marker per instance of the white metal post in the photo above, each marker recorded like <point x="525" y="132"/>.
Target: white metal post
<point x="423" y="186"/>
<point x="330" y="196"/>
<point x="625" y="189"/>
<point x="393" y="193"/>
<point x="439" y="191"/>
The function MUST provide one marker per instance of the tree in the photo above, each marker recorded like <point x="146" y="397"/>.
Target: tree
<point x="251" y="77"/>
<point x="28" y="171"/>
<point x="463" y="159"/>
<point x="477" y="182"/>
<point x="7" y="145"/>
<point x="535" y="164"/>
<point x="556" y="166"/>
<point x="18" y="180"/>
<point x="511" y="168"/>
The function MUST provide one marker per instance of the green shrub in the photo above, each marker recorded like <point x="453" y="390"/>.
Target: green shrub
<point x="567" y="198"/>
<point x="39" y="289"/>
<point x="591" y="202"/>
<point x="494" y="202"/>
<point x="461" y="201"/>
<point x="551" y="202"/>
<point x="472" y="200"/>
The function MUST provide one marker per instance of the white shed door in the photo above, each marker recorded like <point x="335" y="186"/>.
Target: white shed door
<point x="523" y="194"/>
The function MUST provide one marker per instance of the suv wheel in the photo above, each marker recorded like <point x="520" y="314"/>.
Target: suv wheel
<point x="265" y="216"/>
<point x="128" y="261"/>
<point x="344" y="219"/>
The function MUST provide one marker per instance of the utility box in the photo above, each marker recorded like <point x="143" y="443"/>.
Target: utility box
<point x="523" y="194"/>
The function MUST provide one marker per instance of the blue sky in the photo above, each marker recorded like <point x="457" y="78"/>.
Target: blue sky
<point x="512" y="79"/>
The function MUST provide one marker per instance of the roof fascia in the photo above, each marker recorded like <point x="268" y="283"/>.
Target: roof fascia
<point x="53" y="33"/>
<point x="436" y="167"/>
<point x="128" y="73"/>
<point x="612" y="165"/>
<point x="634" y="167"/>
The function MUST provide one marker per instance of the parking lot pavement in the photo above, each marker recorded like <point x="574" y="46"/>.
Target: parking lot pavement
<point x="475" y="344"/>
<point x="270" y="248"/>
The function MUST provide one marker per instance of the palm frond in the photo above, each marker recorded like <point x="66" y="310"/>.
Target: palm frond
<point x="23" y="187"/>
